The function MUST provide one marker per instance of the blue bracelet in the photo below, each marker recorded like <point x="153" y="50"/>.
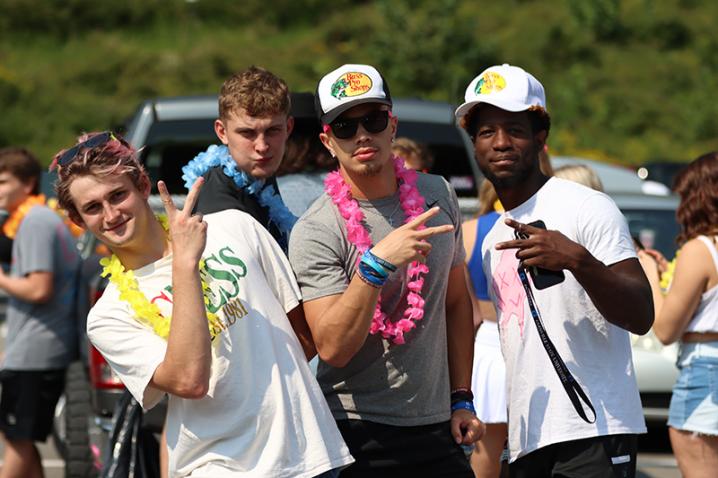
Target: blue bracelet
<point x="384" y="263"/>
<point x="367" y="275"/>
<point x="369" y="266"/>
<point x="463" y="404"/>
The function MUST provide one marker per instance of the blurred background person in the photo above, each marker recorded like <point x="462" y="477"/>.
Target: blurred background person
<point x="581" y="174"/>
<point x="689" y="312"/>
<point x="41" y="329"/>
<point x="300" y="176"/>
<point x="415" y="156"/>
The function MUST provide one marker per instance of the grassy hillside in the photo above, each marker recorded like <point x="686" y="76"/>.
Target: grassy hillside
<point x="627" y="81"/>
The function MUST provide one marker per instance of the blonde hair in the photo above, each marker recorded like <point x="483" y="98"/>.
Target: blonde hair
<point x="258" y="91"/>
<point x="581" y="174"/>
<point x="412" y="153"/>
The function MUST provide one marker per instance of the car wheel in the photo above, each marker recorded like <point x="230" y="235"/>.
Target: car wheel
<point x="71" y="434"/>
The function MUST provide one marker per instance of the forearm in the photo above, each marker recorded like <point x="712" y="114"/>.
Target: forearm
<point x="343" y="326"/>
<point x="299" y="324"/>
<point x="621" y="292"/>
<point x="35" y="288"/>
<point x="186" y="367"/>
<point x="460" y="342"/>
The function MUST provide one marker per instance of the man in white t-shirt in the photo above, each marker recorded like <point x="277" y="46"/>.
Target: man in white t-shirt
<point x="577" y="413"/>
<point x="242" y="399"/>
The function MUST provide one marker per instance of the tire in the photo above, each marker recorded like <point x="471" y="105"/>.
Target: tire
<point x="71" y="433"/>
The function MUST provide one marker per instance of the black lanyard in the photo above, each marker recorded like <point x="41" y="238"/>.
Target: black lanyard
<point x="573" y="389"/>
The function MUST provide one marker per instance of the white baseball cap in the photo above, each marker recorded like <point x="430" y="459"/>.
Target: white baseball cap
<point x="348" y="86"/>
<point x="504" y="86"/>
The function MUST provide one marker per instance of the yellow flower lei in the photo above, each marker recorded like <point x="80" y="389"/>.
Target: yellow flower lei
<point x="146" y="312"/>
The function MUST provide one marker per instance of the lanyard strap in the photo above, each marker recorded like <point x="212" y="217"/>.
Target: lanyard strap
<point x="573" y="389"/>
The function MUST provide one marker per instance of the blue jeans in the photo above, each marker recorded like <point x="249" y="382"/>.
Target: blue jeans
<point x="694" y="404"/>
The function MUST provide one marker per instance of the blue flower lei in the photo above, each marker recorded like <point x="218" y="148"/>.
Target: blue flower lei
<point x="267" y="196"/>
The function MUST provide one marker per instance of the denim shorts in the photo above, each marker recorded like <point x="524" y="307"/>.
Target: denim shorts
<point x="694" y="404"/>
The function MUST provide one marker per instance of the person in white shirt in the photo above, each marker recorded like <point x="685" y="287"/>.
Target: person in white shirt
<point x="573" y="402"/>
<point x="202" y="309"/>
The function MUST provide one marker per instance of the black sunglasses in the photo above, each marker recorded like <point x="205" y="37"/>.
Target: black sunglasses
<point x="374" y="122"/>
<point x="97" y="140"/>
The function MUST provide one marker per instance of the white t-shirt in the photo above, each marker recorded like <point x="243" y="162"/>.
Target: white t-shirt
<point x="264" y="414"/>
<point x="597" y="353"/>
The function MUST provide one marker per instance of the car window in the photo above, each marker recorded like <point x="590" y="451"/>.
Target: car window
<point x="656" y="229"/>
<point x="446" y="145"/>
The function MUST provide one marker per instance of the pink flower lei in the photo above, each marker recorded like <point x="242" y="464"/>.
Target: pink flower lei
<point x="412" y="203"/>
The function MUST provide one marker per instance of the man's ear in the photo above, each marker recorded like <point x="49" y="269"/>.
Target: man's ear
<point x="326" y="141"/>
<point x="145" y="187"/>
<point x="540" y="139"/>
<point x="220" y="131"/>
<point x="290" y="125"/>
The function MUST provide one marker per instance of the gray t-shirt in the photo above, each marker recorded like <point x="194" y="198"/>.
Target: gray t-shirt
<point x="43" y="336"/>
<point x="404" y="385"/>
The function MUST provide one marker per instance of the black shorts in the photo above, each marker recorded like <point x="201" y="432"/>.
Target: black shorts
<point x="27" y="403"/>
<point x="390" y="451"/>
<point x="609" y="456"/>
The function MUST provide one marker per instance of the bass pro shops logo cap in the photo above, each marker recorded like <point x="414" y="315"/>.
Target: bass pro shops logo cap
<point x="504" y="86"/>
<point x="349" y="86"/>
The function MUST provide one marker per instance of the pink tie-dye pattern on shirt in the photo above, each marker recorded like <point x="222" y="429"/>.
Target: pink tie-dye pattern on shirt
<point x="510" y="294"/>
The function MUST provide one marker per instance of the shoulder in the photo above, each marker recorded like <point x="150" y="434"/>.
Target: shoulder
<point x="322" y="211"/>
<point x="696" y="251"/>
<point x="321" y="223"/>
<point x="231" y="221"/>
<point x="432" y="183"/>
<point x="216" y="174"/>
<point x="40" y="217"/>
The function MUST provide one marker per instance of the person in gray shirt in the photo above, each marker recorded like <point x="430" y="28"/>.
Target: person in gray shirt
<point x="380" y="262"/>
<point x="41" y="338"/>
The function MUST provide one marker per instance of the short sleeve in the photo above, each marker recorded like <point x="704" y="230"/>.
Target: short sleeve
<point x="36" y="250"/>
<point x="133" y="351"/>
<point x="316" y="260"/>
<point x="459" y="252"/>
<point x="603" y="230"/>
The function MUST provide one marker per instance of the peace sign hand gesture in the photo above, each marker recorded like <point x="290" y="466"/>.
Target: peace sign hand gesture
<point x="188" y="232"/>
<point x="408" y="243"/>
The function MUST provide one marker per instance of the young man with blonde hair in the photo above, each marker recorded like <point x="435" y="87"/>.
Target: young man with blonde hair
<point x="197" y="308"/>
<point x="253" y="126"/>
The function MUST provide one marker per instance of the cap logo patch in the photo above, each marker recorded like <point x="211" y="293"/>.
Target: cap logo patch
<point x="351" y="84"/>
<point x="490" y="82"/>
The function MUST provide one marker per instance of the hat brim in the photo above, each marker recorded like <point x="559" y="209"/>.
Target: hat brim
<point x="333" y="114"/>
<point x="502" y="103"/>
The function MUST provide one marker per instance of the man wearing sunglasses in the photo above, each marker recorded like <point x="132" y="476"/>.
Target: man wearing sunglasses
<point x="42" y="335"/>
<point x="379" y="260"/>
